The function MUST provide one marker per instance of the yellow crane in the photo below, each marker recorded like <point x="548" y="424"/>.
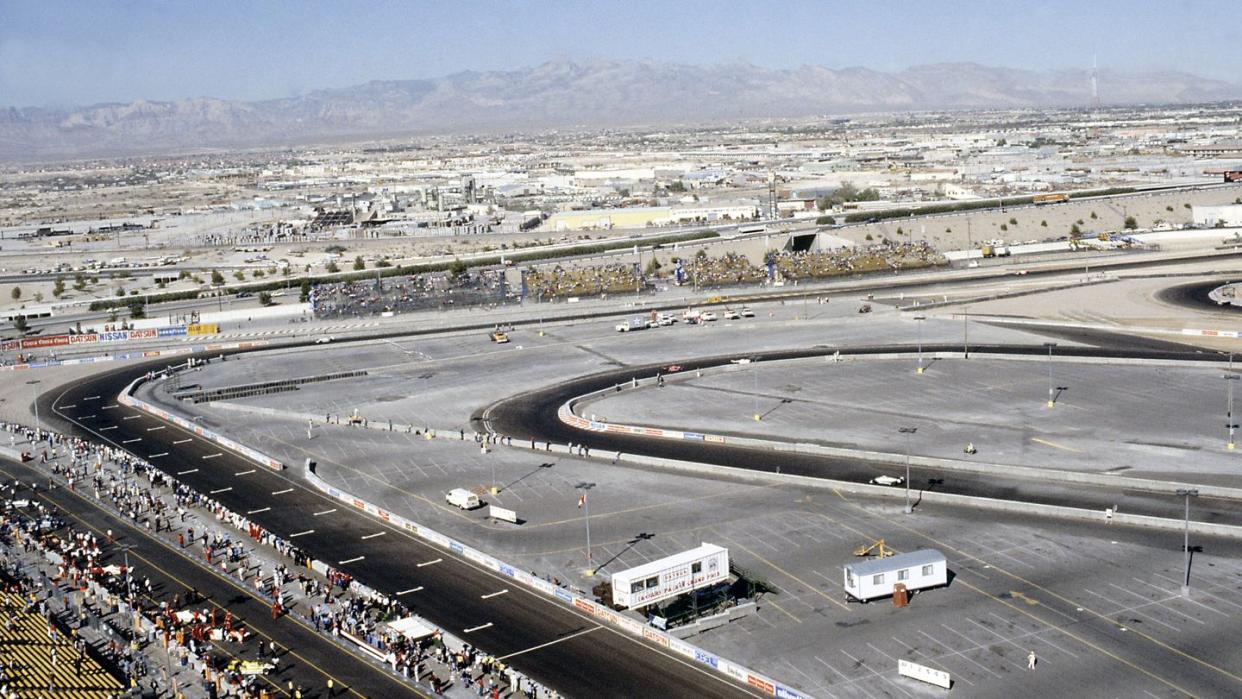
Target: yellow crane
<point x="879" y="548"/>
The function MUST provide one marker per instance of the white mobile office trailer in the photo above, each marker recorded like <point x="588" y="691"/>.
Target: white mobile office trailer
<point x="668" y="577"/>
<point x="917" y="570"/>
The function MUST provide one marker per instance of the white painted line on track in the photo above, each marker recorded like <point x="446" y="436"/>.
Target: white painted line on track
<point x="282" y="492"/>
<point x="325" y="512"/>
<point x="261" y="509"/>
<point x="131" y="441"/>
<point x="183" y="441"/>
<point x="213" y="456"/>
<point x="88" y="417"/>
<point x="244" y="473"/>
<point x="221" y="490"/>
<point x="66" y="407"/>
<point x="110" y="407"/>
<point x="429" y="563"/>
<point x="156" y="456"/>
<point x="494" y="594"/>
<point x="131" y="417"/>
<point x="372" y="536"/>
<point x="472" y="629"/>
<point x="105" y="429"/>
<point x="549" y="643"/>
<point x="183" y="473"/>
<point x="350" y="560"/>
<point x="308" y="531"/>
<point x="91" y="398"/>
<point x="412" y="589"/>
<point x="153" y="429"/>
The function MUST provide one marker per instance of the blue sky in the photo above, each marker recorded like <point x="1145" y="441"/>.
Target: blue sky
<point x="57" y="53"/>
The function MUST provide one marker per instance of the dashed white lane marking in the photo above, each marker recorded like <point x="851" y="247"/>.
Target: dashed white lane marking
<point x="110" y="407"/>
<point x="183" y="441"/>
<point x="308" y="531"/>
<point x="153" y="429"/>
<point x="183" y="473"/>
<point x="156" y="456"/>
<point x="350" y="560"/>
<point x="221" y="490"/>
<point x="91" y="398"/>
<point x="325" y="512"/>
<point x="472" y="629"/>
<point x="213" y="456"/>
<point x="494" y="594"/>
<point x="372" y="536"/>
<point x="131" y="417"/>
<point x="131" y="441"/>
<point x="105" y="429"/>
<point x="67" y="407"/>
<point x="282" y="492"/>
<point x="244" y="473"/>
<point x="429" y="563"/>
<point x="412" y="589"/>
<point x="261" y="509"/>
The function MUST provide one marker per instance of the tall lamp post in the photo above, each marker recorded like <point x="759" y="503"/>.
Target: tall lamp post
<point x="1050" y="345"/>
<point x="585" y="505"/>
<point x="1229" y="423"/>
<point x="908" y="431"/>
<point x="34" y="390"/>
<point x="1187" y="493"/>
<point x="919" y="324"/>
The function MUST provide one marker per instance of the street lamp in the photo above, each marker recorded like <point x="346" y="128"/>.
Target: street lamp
<point x="1050" y="345"/>
<point x="919" y="324"/>
<point x="1229" y="423"/>
<point x="907" y="431"/>
<point x="585" y="505"/>
<point x="33" y="383"/>
<point x="1187" y="493"/>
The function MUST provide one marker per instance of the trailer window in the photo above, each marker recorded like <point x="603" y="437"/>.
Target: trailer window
<point x="927" y="570"/>
<point x="636" y="587"/>
<point x="696" y="568"/>
<point x="653" y="582"/>
<point x="878" y="579"/>
<point x="903" y="574"/>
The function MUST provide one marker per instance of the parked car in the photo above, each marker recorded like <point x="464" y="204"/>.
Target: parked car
<point x="324" y="340"/>
<point x="747" y="313"/>
<point x="707" y="316"/>
<point x="731" y="314"/>
<point x="887" y="480"/>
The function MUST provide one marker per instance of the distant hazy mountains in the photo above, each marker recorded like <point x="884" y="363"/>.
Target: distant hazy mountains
<point x="566" y="93"/>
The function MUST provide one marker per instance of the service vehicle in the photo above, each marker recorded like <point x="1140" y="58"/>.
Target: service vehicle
<point x="707" y="316"/>
<point x="747" y="312"/>
<point x="887" y="480"/>
<point x="462" y="498"/>
<point x="730" y="314"/>
<point x="634" y="323"/>
<point x="499" y="336"/>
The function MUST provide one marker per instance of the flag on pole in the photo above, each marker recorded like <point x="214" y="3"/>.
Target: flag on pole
<point x="581" y="501"/>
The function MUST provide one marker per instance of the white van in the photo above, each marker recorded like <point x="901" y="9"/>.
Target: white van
<point x="462" y="498"/>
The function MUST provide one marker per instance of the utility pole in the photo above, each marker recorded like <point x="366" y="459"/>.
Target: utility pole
<point x="908" y="431"/>
<point x="1229" y="423"/>
<point x="1187" y="493"/>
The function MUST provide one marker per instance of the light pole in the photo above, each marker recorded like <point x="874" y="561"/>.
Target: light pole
<point x="1187" y="493"/>
<point x="585" y="505"/>
<point x="1229" y="379"/>
<point x="34" y="390"/>
<point x="754" y="372"/>
<point x="908" y="431"/>
<point x="919" y="324"/>
<point x="1050" y="345"/>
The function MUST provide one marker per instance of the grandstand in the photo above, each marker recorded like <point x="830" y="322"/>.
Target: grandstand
<point x="32" y="668"/>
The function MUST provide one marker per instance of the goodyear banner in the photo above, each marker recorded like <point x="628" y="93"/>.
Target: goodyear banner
<point x="203" y="329"/>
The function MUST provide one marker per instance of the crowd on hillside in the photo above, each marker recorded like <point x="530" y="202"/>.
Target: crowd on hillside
<point x="416" y="292"/>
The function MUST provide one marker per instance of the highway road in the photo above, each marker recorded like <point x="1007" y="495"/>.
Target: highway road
<point x="550" y="642"/>
<point x="534" y="414"/>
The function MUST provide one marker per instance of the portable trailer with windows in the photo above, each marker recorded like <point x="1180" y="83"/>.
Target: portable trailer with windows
<point x="671" y="576"/>
<point x="917" y="570"/>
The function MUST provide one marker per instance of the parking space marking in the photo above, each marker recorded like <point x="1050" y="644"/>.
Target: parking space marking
<point x="1130" y="610"/>
<point x="1161" y="603"/>
<point x="472" y="629"/>
<point x="846" y="680"/>
<point x="953" y="651"/>
<point x="936" y="662"/>
<point x="1054" y="445"/>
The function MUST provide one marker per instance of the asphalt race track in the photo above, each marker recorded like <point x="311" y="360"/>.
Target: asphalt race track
<point x="535" y="415"/>
<point x="547" y="641"/>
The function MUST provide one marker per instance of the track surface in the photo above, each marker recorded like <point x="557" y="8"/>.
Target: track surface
<point x="551" y="643"/>
<point x="535" y="415"/>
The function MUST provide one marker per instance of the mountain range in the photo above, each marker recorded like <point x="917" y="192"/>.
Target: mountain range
<point x="564" y="93"/>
